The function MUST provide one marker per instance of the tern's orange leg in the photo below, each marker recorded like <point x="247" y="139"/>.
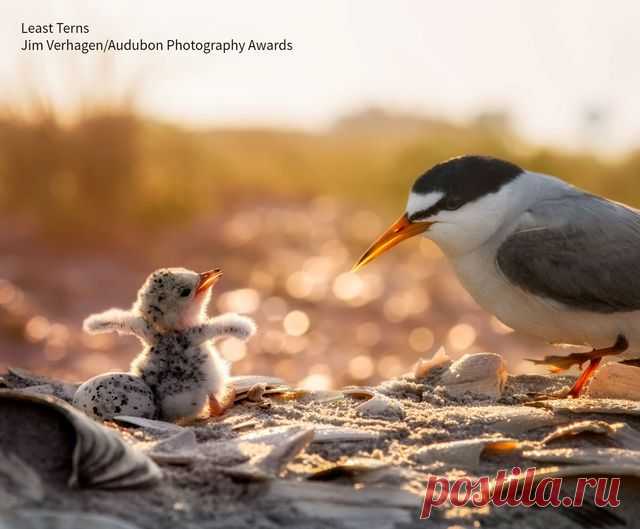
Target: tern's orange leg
<point x="584" y="377"/>
<point x="595" y="359"/>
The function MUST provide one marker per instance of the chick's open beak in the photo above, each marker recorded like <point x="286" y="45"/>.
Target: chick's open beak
<point x="207" y="280"/>
<point x="402" y="229"/>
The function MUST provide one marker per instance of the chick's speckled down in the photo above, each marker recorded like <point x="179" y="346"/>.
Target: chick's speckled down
<point x="179" y="363"/>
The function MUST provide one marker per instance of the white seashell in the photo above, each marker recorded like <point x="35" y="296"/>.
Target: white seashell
<point x="42" y="389"/>
<point x="45" y="519"/>
<point x="245" y="425"/>
<point x="363" y="470"/>
<point x="331" y="505"/>
<point x="259" y="455"/>
<point x="464" y="454"/>
<point x="322" y="396"/>
<point x="336" y="434"/>
<point x="359" y="392"/>
<point x="586" y="405"/>
<point x="625" y="436"/>
<point x="577" y="428"/>
<point x="622" y="434"/>
<point x="62" y="443"/>
<point x="242" y="384"/>
<point x="353" y="465"/>
<point x="615" y="381"/>
<point x="505" y="420"/>
<point x="285" y="445"/>
<point x="423" y="367"/>
<point x="149" y="424"/>
<point x="18" y="378"/>
<point x="381" y="407"/>
<point x="20" y="483"/>
<point x="601" y="468"/>
<point x="178" y="449"/>
<point x="482" y="374"/>
<point x="256" y="393"/>
<point x="618" y="460"/>
<point x="105" y="396"/>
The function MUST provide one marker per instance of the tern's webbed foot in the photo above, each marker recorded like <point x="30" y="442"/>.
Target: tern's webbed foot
<point x="560" y="363"/>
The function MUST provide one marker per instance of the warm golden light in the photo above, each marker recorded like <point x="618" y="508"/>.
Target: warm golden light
<point x="461" y="337"/>
<point x="296" y="323"/>
<point x="421" y="339"/>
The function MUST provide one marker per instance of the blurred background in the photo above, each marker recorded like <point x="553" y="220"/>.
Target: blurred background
<point x="281" y="168"/>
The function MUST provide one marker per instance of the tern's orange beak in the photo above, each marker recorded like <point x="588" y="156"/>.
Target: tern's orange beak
<point x="402" y="229"/>
<point x="207" y="280"/>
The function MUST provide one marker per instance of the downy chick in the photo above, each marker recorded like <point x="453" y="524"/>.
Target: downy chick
<point x="179" y="362"/>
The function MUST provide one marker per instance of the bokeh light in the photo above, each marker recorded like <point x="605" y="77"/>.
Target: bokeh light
<point x="421" y="339"/>
<point x="361" y="367"/>
<point x="243" y="300"/>
<point x="461" y="337"/>
<point x="296" y="323"/>
<point x="233" y="349"/>
<point x="37" y="328"/>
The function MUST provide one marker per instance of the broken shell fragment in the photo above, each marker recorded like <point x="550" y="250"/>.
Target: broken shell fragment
<point x="465" y="453"/>
<point x="256" y="393"/>
<point x="331" y="505"/>
<point x="105" y="396"/>
<point x="382" y="407"/>
<point x="360" y="393"/>
<point x="242" y="384"/>
<point x="615" y="381"/>
<point x="577" y="428"/>
<point x="21" y="484"/>
<point x="338" y="434"/>
<point x="587" y="405"/>
<point x="178" y="449"/>
<point x="505" y="420"/>
<point x="64" y="445"/>
<point x="363" y="470"/>
<point x="620" y="434"/>
<point x="18" y="378"/>
<point x="48" y="519"/>
<point x="149" y="424"/>
<point x="482" y="374"/>
<point x="259" y="455"/>
<point x="604" y="461"/>
<point x="424" y="366"/>
<point x="284" y="447"/>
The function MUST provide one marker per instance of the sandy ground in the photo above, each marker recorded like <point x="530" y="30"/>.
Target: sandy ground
<point x="259" y="465"/>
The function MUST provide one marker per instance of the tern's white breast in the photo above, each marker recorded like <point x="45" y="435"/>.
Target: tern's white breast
<point x="536" y="316"/>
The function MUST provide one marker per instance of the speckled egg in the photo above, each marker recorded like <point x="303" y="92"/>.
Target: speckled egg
<point x="105" y="396"/>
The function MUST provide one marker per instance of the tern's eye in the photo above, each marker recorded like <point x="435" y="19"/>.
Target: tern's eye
<point x="185" y="292"/>
<point x="452" y="202"/>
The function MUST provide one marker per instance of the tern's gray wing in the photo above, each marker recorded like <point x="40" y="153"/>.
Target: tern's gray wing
<point x="579" y="250"/>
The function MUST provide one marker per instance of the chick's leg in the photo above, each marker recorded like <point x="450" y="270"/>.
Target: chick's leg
<point x="217" y="406"/>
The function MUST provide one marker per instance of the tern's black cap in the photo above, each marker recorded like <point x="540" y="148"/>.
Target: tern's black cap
<point x="464" y="179"/>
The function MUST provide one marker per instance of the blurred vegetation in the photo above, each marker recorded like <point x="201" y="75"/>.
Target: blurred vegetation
<point x="110" y="168"/>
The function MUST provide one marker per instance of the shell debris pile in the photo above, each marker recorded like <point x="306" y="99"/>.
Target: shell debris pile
<point x="283" y="455"/>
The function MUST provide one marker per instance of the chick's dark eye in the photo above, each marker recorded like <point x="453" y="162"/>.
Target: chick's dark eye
<point x="185" y="292"/>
